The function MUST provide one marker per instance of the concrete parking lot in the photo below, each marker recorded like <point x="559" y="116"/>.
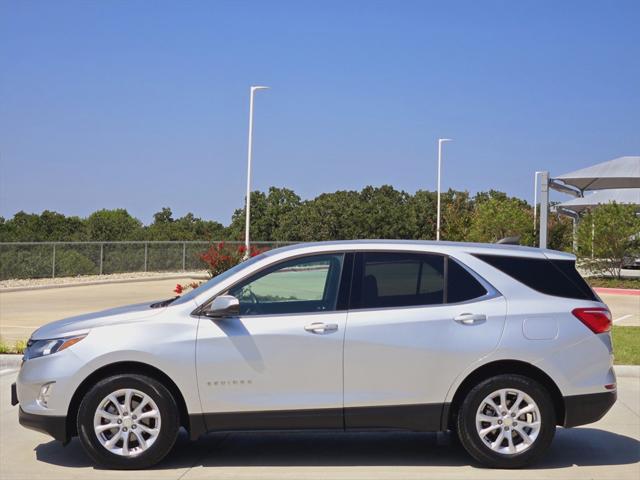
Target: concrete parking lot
<point x="21" y="312"/>
<point x="608" y="449"/>
<point x="625" y="309"/>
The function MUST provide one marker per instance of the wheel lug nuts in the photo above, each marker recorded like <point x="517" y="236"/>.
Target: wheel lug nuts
<point x="513" y="414"/>
<point x="499" y="422"/>
<point x="515" y="424"/>
<point x="505" y="429"/>
<point x="124" y="429"/>
<point x="133" y="416"/>
<point x="133" y="427"/>
<point x="125" y="414"/>
<point x="119" y="421"/>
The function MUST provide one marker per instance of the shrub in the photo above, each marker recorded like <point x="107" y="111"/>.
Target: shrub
<point x="71" y="263"/>
<point x="219" y="258"/>
<point x="25" y="261"/>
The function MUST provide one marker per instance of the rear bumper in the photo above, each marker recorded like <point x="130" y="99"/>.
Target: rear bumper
<point x="583" y="409"/>
<point x="51" y="425"/>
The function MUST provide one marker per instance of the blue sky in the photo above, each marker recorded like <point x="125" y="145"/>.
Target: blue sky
<point x="143" y="104"/>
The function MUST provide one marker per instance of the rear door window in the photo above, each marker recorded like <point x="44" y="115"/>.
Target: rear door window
<point x="389" y="279"/>
<point x="398" y="279"/>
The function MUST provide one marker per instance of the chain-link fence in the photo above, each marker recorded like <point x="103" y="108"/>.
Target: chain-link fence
<point x="67" y="259"/>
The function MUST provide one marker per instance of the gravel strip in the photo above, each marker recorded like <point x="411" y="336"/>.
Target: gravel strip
<point x="88" y="279"/>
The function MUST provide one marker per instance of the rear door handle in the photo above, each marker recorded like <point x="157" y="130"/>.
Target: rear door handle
<point x="471" y="318"/>
<point x="321" y="328"/>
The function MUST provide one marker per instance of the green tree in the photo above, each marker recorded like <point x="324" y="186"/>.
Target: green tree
<point x="188" y="227"/>
<point x="606" y="235"/>
<point x="267" y="213"/>
<point x="111" y="225"/>
<point x="48" y="226"/>
<point x="383" y="212"/>
<point x="421" y="209"/>
<point x="329" y="216"/>
<point x="560" y="233"/>
<point x="457" y="216"/>
<point x="164" y="216"/>
<point x="498" y="217"/>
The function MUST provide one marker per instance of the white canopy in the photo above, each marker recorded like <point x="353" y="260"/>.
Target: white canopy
<point x="621" y="172"/>
<point x="622" y="195"/>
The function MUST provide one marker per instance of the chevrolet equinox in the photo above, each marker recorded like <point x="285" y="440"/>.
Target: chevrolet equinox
<point x="496" y="343"/>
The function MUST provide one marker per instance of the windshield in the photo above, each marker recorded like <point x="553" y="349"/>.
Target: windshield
<point x="217" y="279"/>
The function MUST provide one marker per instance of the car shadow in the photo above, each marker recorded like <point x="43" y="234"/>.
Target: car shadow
<point x="579" y="447"/>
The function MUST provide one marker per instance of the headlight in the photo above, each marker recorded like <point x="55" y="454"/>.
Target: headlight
<point x="41" y="348"/>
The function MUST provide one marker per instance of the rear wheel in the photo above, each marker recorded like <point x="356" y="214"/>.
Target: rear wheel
<point x="128" y="422"/>
<point x="507" y="421"/>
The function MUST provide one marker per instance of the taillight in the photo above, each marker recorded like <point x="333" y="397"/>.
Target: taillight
<point x="597" y="319"/>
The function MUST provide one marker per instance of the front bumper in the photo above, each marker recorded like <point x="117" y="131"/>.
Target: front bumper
<point x="51" y="425"/>
<point x="589" y="408"/>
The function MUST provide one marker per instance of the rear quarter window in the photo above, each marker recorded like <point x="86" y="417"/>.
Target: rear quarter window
<point x="461" y="285"/>
<point x="551" y="277"/>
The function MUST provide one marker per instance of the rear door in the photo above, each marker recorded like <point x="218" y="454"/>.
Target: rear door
<point x="416" y="321"/>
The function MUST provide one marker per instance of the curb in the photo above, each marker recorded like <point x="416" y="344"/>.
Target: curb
<point x="199" y="276"/>
<point x="617" y="291"/>
<point x="627" y="370"/>
<point x="10" y="361"/>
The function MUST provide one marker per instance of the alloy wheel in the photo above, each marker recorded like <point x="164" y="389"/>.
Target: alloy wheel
<point x="508" y="421"/>
<point x="127" y="422"/>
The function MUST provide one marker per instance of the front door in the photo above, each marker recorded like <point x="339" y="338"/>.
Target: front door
<point x="279" y="363"/>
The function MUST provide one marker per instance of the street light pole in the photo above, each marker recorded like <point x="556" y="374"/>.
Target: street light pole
<point x="544" y="208"/>
<point x="249" y="154"/>
<point x="440" y="142"/>
<point x="535" y="202"/>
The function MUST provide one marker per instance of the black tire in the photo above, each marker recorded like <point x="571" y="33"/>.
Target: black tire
<point x="170" y="422"/>
<point x="475" y="446"/>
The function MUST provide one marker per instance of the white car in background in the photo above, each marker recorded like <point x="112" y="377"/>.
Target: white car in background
<point x="497" y="343"/>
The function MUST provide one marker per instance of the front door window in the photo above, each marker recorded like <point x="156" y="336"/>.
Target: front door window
<point x="303" y="285"/>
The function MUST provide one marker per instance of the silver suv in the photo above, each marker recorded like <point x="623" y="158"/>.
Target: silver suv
<point x="496" y="343"/>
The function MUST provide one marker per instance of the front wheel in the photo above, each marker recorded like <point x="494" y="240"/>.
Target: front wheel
<point x="128" y="422"/>
<point x="507" y="421"/>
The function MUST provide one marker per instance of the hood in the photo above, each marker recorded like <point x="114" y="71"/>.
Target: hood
<point x="87" y="321"/>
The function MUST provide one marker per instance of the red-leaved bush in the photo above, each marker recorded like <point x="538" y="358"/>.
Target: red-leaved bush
<point x="219" y="258"/>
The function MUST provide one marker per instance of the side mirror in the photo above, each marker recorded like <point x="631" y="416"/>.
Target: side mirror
<point x="223" y="306"/>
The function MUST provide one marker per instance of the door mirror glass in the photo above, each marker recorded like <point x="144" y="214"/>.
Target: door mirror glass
<point x="223" y="306"/>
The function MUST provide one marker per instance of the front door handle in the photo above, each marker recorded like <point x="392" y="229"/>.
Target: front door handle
<point x="321" y="328"/>
<point x="471" y="318"/>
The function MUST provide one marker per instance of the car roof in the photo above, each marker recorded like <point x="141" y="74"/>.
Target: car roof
<point x="428" y="245"/>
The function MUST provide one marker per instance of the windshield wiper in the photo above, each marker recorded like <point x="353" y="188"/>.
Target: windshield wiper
<point x="163" y="303"/>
